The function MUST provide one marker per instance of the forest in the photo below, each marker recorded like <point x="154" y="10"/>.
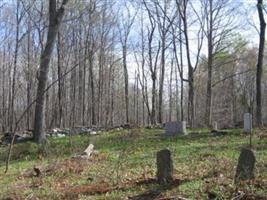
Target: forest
<point x="133" y="99"/>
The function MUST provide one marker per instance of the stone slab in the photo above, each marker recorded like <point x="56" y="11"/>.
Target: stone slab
<point x="175" y="128"/>
<point x="247" y="123"/>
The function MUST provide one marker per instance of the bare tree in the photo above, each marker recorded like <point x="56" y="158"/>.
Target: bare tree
<point x="55" y="18"/>
<point x="179" y="62"/>
<point x="182" y="6"/>
<point x="164" y="24"/>
<point x="260" y="64"/>
<point x="152" y="62"/>
<point x="141" y="75"/>
<point x="170" y="91"/>
<point x="220" y="24"/>
<point x="124" y="31"/>
<point x="19" y="16"/>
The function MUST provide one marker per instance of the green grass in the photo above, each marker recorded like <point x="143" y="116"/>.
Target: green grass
<point x="203" y="164"/>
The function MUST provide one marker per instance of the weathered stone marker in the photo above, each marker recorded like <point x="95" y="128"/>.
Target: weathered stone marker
<point x="164" y="167"/>
<point x="247" y="123"/>
<point x="215" y="126"/>
<point x="87" y="152"/>
<point x="175" y="128"/>
<point x="246" y="165"/>
<point x="184" y="127"/>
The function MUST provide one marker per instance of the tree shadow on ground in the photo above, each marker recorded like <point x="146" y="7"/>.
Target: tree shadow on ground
<point x="156" y="193"/>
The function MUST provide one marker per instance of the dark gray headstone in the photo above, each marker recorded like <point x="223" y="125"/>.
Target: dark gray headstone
<point x="175" y="128"/>
<point x="246" y="165"/>
<point x="164" y="167"/>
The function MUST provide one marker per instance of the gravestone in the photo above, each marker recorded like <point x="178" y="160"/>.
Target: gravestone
<point x="184" y="127"/>
<point x="246" y="165"/>
<point x="247" y="123"/>
<point x="175" y="128"/>
<point x="214" y="126"/>
<point x="164" y="167"/>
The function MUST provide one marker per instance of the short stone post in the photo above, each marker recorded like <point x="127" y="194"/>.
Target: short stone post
<point x="215" y="126"/>
<point x="247" y="123"/>
<point x="184" y="128"/>
<point x="246" y="165"/>
<point x="164" y="167"/>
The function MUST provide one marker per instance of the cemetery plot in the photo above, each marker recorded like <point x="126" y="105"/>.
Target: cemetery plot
<point x="126" y="166"/>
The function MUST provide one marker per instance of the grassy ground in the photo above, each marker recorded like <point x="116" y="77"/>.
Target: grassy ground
<point x="124" y="167"/>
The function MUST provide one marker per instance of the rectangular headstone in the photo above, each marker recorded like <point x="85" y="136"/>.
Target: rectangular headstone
<point x="164" y="167"/>
<point x="184" y="127"/>
<point x="215" y="126"/>
<point x="246" y="165"/>
<point x="175" y="128"/>
<point x="247" y="123"/>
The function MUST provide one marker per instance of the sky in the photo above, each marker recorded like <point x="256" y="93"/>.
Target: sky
<point x="247" y="14"/>
<point x="249" y="18"/>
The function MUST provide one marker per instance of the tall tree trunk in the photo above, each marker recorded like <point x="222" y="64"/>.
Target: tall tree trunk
<point x="100" y="88"/>
<point x="14" y="76"/>
<point x="191" y="95"/>
<point x="28" y="75"/>
<point x="137" y="101"/>
<point x="73" y="97"/>
<point x="177" y="95"/>
<point x="80" y="75"/>
<point x="153" y="110"/>
<point x="181" y="71"/>
<point x="3" y="80"/>
<point x="55" y="18"/>
<point x="134" y="97"/>
<point x="162" y="73"/>
<point x="124" y="49"/>
<point x="210" y="65"/>
<point x="84" y="89"/>
<point x="170" y="95"/>
<point x="260" y="64"/>
<point x="9" y="91"/>
<point x="59" y="72"/>
<point x="180" y="66"/>
<point x="91" y="81"/>
<point x="143" y="71"/>
<point x="112" y="99"/>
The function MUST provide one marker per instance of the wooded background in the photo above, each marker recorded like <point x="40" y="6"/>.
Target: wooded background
<point x="132" y="61"/>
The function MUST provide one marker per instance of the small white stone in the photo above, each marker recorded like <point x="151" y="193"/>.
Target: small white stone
<point x="60" y="135"/>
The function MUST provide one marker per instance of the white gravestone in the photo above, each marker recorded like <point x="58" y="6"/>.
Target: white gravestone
<point x="215" y="126"/>
<point x="175" y="128"/>
<point x="184" y="127"/>
<point x="247" y="123"/>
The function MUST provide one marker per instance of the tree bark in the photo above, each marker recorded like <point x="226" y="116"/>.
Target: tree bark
<point x="210" y="64"/>
<point x="28" y="75"/>
<point x="126" y="90"/>
<point x="14" y="76"/>
<point x="55" y="18"/>
<point x="260" y="64"/>
<point x="59" y="72"/>
<point x="92" y="86"/>
<point x="191" y="95"/>
<point x="170" y="93"/>
<point x="162" y="74"/>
